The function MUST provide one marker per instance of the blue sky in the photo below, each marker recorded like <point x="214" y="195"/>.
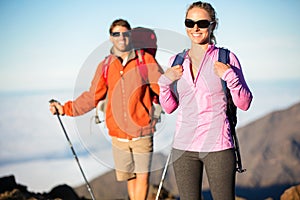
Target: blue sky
<point x="44" y="43"/>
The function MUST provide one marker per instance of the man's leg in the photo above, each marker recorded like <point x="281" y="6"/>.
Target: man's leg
<point x="124" y="165"/>
<point x="142" y="154"/>
<point x="131" y="188"/>
<point x="138" y="187"/>
<point x="141" y="187"/>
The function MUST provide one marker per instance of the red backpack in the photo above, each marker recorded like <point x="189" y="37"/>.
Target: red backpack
<point x="142" y="40"/>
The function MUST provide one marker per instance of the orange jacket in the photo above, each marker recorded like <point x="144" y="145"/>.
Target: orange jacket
<point x="129" y="105"/>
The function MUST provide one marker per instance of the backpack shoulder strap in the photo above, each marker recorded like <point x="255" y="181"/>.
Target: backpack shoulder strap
<point x="143" y="70"/>
<point x="105" y="67"/>
<point x="179" y="58"/>
<point x="223" y="55"/>
<point x="142" y="64"/>
<point x="231" y="108"/>
<point x="224" y="58"/>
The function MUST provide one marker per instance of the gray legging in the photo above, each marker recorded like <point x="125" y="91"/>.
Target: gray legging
<point x="220" y="169"/>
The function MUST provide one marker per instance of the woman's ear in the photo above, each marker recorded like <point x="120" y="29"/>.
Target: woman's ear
<point x="213" y="26"/>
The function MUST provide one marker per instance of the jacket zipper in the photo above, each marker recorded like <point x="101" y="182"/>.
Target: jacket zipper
<point x="200" y="68"/>
<point x="123" y="97"/>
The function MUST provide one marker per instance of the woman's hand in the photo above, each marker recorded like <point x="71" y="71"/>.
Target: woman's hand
<point x="220" y="68"/>
<point x="174" y="73"/>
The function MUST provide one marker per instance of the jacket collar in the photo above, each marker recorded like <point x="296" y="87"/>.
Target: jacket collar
<point x="132" y="55"/>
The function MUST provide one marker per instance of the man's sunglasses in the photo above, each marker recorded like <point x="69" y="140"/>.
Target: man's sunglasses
<point x="200" y="23"/>
<point x="118" y="34"/>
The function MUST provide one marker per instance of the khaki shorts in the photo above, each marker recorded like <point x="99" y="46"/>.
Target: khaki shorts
<point x="132" y="156"/>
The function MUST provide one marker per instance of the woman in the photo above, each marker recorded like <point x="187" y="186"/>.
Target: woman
<point x="202" y="136"/>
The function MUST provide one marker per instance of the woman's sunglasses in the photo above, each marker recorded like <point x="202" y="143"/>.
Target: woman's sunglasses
<point x="118" y="34"/>
<point x="200" y="23"/>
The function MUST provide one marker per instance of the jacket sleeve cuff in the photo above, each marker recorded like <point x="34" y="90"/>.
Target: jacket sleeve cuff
<point x="68" y="108"/>
<point x="164" y="81"/>
<point x="229" y="75"/>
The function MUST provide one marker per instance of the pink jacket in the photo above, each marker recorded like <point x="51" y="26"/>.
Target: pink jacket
<point x="202" y="124"/>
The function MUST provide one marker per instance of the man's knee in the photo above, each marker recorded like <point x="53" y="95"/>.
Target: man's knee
<point x="142" y="178"/>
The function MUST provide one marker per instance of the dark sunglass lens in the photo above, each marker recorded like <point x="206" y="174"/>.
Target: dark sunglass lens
<point x="189" y="23"/>
<point x="126" y="34"/>
<point x="115" y="34"/>
<point x="203" y="23"/>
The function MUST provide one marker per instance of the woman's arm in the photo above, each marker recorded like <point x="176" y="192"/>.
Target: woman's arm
<point x="236" y="83"/>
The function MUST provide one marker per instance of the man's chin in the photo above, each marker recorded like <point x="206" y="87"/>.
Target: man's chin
<point x="123" y="48"/>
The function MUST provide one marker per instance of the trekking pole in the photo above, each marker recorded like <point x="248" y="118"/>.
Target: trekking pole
<point x="73" y="151"/>
<point x="239" y="168"/>
<point x="163" y="176"/>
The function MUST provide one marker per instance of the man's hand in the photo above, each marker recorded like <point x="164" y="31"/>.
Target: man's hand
<point x="55" y="106"/>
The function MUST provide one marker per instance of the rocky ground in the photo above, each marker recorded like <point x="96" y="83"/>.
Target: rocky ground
<point x="10" y="190"/>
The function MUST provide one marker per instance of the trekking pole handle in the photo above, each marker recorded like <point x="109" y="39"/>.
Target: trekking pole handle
<point x="53" y="101"/>
<point x="56" y="109"/>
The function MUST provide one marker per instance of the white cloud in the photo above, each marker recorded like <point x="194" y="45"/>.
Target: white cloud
<point x="42" y="175"/>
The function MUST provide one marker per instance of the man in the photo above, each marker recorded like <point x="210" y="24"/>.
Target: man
<point x="129" y="108"/>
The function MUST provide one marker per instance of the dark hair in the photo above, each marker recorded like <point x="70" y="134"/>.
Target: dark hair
<point x="212" y="13"/>
<point x="119" y="22"/>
